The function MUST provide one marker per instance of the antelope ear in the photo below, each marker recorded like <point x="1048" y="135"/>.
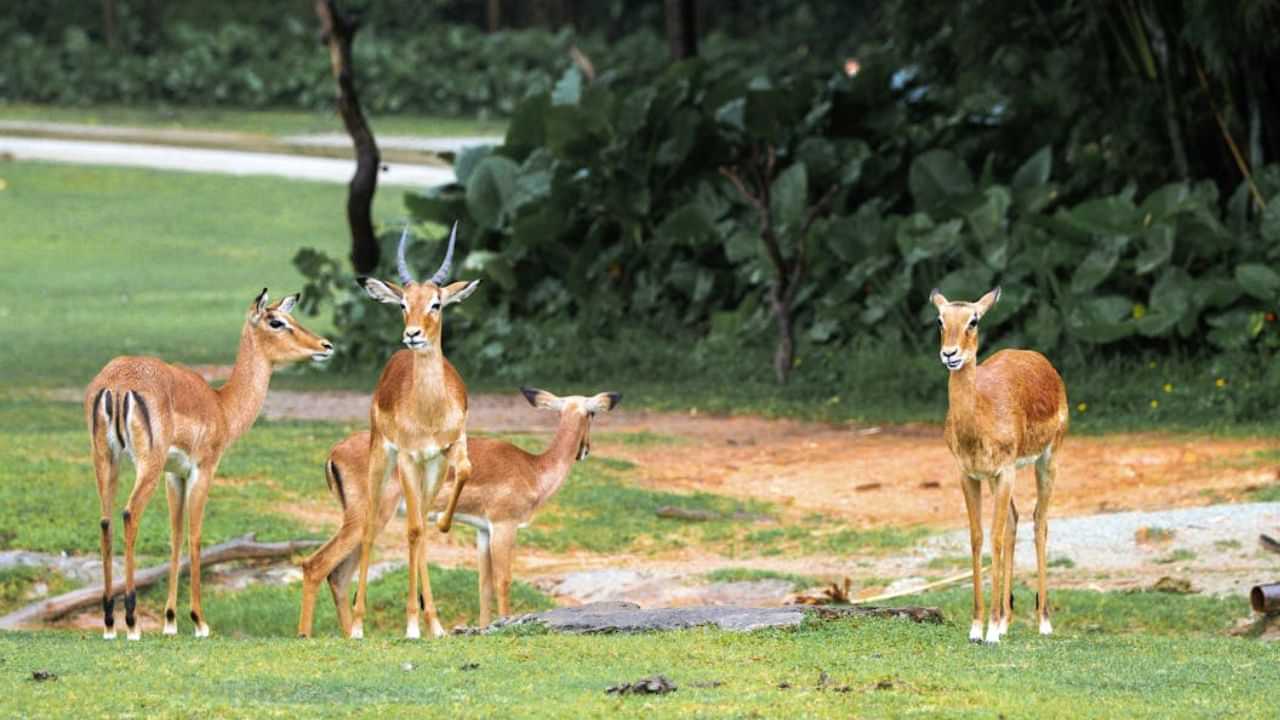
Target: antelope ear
<point x="260" y="302"/>
<point x="541" y="399"/>
<point x="381" y="290"/>
<point x="604" y="402"/>
<point x="286" y="303"/>
<point x="459" y="291"/>
<point x="937" y="299"/>
<point x="986" y="301"/>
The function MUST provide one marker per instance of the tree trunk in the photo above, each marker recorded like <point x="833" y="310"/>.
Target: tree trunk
<point x="682" y="28"/>
<point x="109" y="25"/>
<point x="493" y="15"/>
<point x="785" y="356"/>
<point x="338" y="31"/>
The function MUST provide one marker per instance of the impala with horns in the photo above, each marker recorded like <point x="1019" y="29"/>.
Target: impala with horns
<point x="417" y="423"/>
<point x="506" y="489"/>
<point x="1007" y="412"/>
<point x="171" y="422"/>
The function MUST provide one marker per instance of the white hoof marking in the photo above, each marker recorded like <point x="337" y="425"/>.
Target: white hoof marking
<point x="202" y="631"/>
<point x="975" y="631"/>
<point x="1046" y="627"/>
<point x="412" y="631"/>
<point x="437" y="630"/>
<point x="993" y="635"/>
<point x="109" y="634"/>
<point x="171" y="628"/>
<point x="357" y="631"/>
<point x="134" y="634"/>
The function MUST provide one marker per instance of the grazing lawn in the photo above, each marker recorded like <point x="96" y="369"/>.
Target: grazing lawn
<point x="859" y="667"/>
<point x="262" y="122"/>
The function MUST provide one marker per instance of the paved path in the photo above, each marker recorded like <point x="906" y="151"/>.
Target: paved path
<point x="395" y="142"/>
<point x="170" y="157"/>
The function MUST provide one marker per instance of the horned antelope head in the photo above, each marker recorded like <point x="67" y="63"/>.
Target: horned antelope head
<point x="282" y="338"/>
<point x="958" y="327"/>
<point x="421" y="303"/>
<point x="575" y="407"/>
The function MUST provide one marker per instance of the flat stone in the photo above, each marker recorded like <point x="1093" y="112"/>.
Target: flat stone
<point x="625" y="617"/>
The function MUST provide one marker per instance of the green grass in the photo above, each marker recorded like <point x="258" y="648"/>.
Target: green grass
<point x="102" y="262"/>
<point x="891" y="668"/>
<point x="264" y="611"/>
<point x="17" y="582"/>
<point x="798" y="582"/>
<point x="264" y="122"/>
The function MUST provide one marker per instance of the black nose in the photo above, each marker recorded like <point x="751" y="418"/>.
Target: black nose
<point x="949" y="354"/>
<point x="326" y="345"/>
<point x="413" y="333"/>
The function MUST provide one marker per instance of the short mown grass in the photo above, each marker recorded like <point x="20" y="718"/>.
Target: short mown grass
<point x="1142" y="665"/>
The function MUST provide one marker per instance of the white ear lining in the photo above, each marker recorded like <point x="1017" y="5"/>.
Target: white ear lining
<point x="463" y="294"/>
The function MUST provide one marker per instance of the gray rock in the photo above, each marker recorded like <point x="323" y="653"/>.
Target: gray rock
<point x="624" y="617"/>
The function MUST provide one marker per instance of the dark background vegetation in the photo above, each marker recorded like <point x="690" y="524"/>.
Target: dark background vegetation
<point x="718" y="208"/>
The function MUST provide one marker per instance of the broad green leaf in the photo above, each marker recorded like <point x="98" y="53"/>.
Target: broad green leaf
<point x="1166" y="201"/>
<point x="1269" y="228"/>
<point x="731" y="114"/>
<point x="468" y="158"/>
<point x="920" y="239"/>
<point x="1097" y="266"/>
<point x="688" y="224"/>
<point x="490" y="190"/>
<point x="1035" y="171"/>
<point x="1101" y="319"/>
<point x="987" y="216"/>
<point x="1045" y="327"/>
<point x="966" y="283"/>
<point x="936" y="176"/>
<point x="1156" y="251"/>
<point x="1112" y="215"/>
<point x="1234" y="330"/>
<point x="1259" y="281"/>
<point x="493" y="265"/>
<point x="789" y="197"/>
<point x="568" y="90"/>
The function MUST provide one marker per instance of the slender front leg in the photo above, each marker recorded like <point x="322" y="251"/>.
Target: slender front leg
<point x="973" y="504"/>
<point x="503" y="547"/>
<point x="1046" y="471"/>
<point x="484" y="567"/>
<point x="1010" y="544"/>
<point x="435" y="470"/>
<point x="382" y="457"/>
<point x="335" y="560"/>
<point x="106" y="467"/>
<point x="460" y="462"/>
<point x="149" y="467"/>
<point x="198" y="484"/>
<point x="175" y="492"/>
<point x="411" y="486"/>
<point x="1003" y="491"/>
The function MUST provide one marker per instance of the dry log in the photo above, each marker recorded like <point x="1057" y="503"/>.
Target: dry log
<point x="1269" y="543"/>
<point x="242" y="548"/>
<point x="675" y="512"/>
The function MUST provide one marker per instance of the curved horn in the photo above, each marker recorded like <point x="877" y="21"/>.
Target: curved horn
<point x="402" y="265"/>
<point x="442" y="275"/>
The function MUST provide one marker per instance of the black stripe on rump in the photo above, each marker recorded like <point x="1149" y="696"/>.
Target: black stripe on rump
<point x="146" y="416"/>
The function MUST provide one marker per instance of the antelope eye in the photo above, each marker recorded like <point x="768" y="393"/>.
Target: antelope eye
<point x="973" y="323"/>
<point x="275" y="324"/>
<point x="939" y="321"/>
<point x="435" y="306"/>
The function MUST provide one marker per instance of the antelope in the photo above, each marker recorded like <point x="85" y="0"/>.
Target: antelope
<point x="171" y="422"/>
<point x="417" y="424"/>
<point x="507" y="486"/>
<point x="1008" y="412"/>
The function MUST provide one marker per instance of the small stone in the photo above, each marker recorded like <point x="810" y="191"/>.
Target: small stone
<point x="406" y="666"/>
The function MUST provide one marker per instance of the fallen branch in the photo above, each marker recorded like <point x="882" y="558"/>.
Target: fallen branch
<point x="919" y="589"/>
<point x="242" y="548"/>
<point x="675" y="512"/>
<point x="1269" y="543"/>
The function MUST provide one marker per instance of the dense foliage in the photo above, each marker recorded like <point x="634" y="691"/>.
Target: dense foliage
<point x="608" y="205"/>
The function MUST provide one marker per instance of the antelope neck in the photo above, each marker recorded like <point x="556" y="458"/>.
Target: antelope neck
<point x="428" y="378"/>
<point x="962" y="394"/>
<point x="554" y="463"/>
<point x="241" y="397"/>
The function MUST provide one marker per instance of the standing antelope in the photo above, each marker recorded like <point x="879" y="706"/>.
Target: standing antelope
<point x="417" y="424"/>
<point x="169" y="420"/>
<point x="507" y="486"/>
<point x="1007" y="412"/>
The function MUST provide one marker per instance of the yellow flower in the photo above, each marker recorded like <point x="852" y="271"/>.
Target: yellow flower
<point x="1082" y="407"/>
<point x="1155" y="404"/>
<point x="1221" y="382"/>
<point x="1152" y="364"/>
<point x="1168" y="387"/>
<point x="1139" y="311"/>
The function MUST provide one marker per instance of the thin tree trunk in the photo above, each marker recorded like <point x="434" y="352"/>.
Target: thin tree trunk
<point x="784" y="356"/>
<point x="493" y="15"/>
<point x="682" y="28"/>
<point x="109" y="25"/>
<point x="338" y="31"/>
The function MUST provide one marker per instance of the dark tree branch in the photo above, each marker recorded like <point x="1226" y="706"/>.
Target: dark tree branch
<point x="682" y="28"/>
<point x="337" y="32"/>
